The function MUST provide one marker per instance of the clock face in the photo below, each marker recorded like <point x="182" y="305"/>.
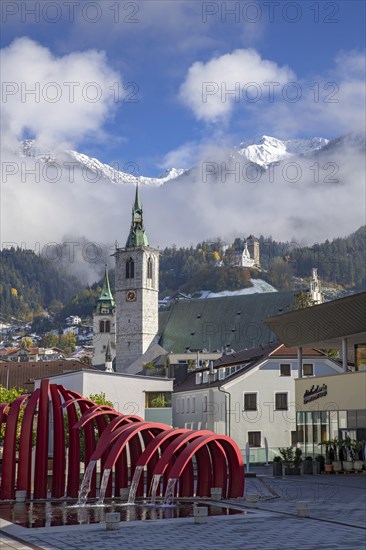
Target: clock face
<point x="131" y="296"/>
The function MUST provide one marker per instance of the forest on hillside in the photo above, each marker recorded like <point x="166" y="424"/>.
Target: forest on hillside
<point x="30" y="283"/>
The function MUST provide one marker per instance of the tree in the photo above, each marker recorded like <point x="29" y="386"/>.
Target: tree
<point x="26" y="342"/>
<point x="303" y="300"/>
<point x="8" y="396"/>
<point x="100" y="399"/>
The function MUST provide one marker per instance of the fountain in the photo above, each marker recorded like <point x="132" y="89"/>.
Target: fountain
<point x="103" y="487"/>
<point x="169" y="493"/>
<point x="154" y="487"/>
<point x="85" y="485"/>
<point x="135" y="484"/>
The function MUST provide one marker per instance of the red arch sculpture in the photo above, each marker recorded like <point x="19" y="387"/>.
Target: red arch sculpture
<point x="120" y="443"/>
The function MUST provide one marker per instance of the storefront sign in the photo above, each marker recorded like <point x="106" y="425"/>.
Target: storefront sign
<point x="315" y="393"/>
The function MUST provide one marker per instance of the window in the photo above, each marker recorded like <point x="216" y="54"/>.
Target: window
<point x="308" y="369"/>
<point x="281" y="402"/>
<point x="205" y="377"/>
<point x="285" y="369"/>
<point x="107" y="326"/>
<point x="101" y="326"/>
<point x="205" y="404"/>
<point x="158" y="400"/>
<point x="250" y="401"/>
<point x="199" y="378"/>
<point x="188" y="404"/>
<point x="221" y="374"/>
<point x="254" y="439"/>
<point x="149" y="268"/>
<point x="193" y="404"/>
<point x="130" y="269"/>
<point x="293" y="438"/>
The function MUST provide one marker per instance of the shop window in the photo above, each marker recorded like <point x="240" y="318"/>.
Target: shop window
<point x="281" y="401"/>
<point x="250" y="401"/>
<point x="254" y="439"/>
<point x="285" y="369"/>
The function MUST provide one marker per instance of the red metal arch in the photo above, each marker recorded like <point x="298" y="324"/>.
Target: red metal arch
<point x="234" y="460"/>
<point x="129" y="434"/>
<point x="162" y="450"/>
<point x="8" y="465"/>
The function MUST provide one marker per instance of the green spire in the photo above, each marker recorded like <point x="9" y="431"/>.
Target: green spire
<point x="105" y="300"/>
<point x="137" y="237"/>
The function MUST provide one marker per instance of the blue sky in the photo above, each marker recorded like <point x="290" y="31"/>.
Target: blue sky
<point x="168" y="48"/>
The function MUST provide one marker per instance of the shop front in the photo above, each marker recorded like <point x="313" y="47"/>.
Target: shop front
<point x="330" y="407"/>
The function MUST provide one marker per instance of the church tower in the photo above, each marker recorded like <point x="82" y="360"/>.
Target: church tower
<point x="104" y="330"/>
<point x="137" y="288"/>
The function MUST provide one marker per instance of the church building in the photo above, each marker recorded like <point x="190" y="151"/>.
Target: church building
<point x="137" y="289"/>
<point x="104" y="325"/>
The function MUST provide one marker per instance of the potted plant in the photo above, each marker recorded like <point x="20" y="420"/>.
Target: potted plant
<point x="291" y="459"/>
<point x="329" y="456"/>
<point x="318" y="464"/>
<point x="358" y="461"/>
<point x="337" y="445"/>
<point x="277" y="466"/>
<point x="351" y="453"/>
<point x="308" y="465"/>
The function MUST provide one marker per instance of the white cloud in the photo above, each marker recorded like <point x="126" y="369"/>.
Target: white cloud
<point x="71" y="95"/>
<point x="333" y="101"/>
<point x="207" y="89"/>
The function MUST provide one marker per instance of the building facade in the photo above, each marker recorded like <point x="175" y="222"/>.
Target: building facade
<point x="249" y="396"/>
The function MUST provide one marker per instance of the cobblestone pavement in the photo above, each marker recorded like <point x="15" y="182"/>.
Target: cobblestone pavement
<point x="337" y="507"/>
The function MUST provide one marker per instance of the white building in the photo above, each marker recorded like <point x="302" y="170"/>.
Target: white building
<point x="249" y="395"/>
<point x="315" y="292"/>
<point x="145" y="396"/>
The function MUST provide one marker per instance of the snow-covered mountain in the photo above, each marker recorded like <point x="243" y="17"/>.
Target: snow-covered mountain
<point x="29" y="148"/>
<point x="268" y="149"/>
<point x="263" y="152"/>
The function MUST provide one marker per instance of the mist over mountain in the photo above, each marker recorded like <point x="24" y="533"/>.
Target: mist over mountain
<point x="299" y="187"/>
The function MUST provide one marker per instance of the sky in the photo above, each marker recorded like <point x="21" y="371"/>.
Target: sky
<point x="156" y="83"/>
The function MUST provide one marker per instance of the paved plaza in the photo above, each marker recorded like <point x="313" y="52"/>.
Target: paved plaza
<point x="337" y="510"/>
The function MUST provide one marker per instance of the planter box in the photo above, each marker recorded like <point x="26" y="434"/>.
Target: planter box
<point x="307" y="467"/>
<point x="348" y="465"/>
<point x="358" y="465"/>
<point x="277" y="469"/>
<point x="328" y="468"/>
<point x="316" y="467"/>
<point x="337" y="466"/>
<point x="292" y="471"/>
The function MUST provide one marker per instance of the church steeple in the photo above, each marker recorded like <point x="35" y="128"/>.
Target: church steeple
<point x="137" y="237"/>
<point x="106" y="303"/>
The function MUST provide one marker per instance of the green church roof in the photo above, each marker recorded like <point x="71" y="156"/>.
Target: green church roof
<point x="137" y="237"/>
<point x="212" y="323"/>
<point x="105" y="300"/>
